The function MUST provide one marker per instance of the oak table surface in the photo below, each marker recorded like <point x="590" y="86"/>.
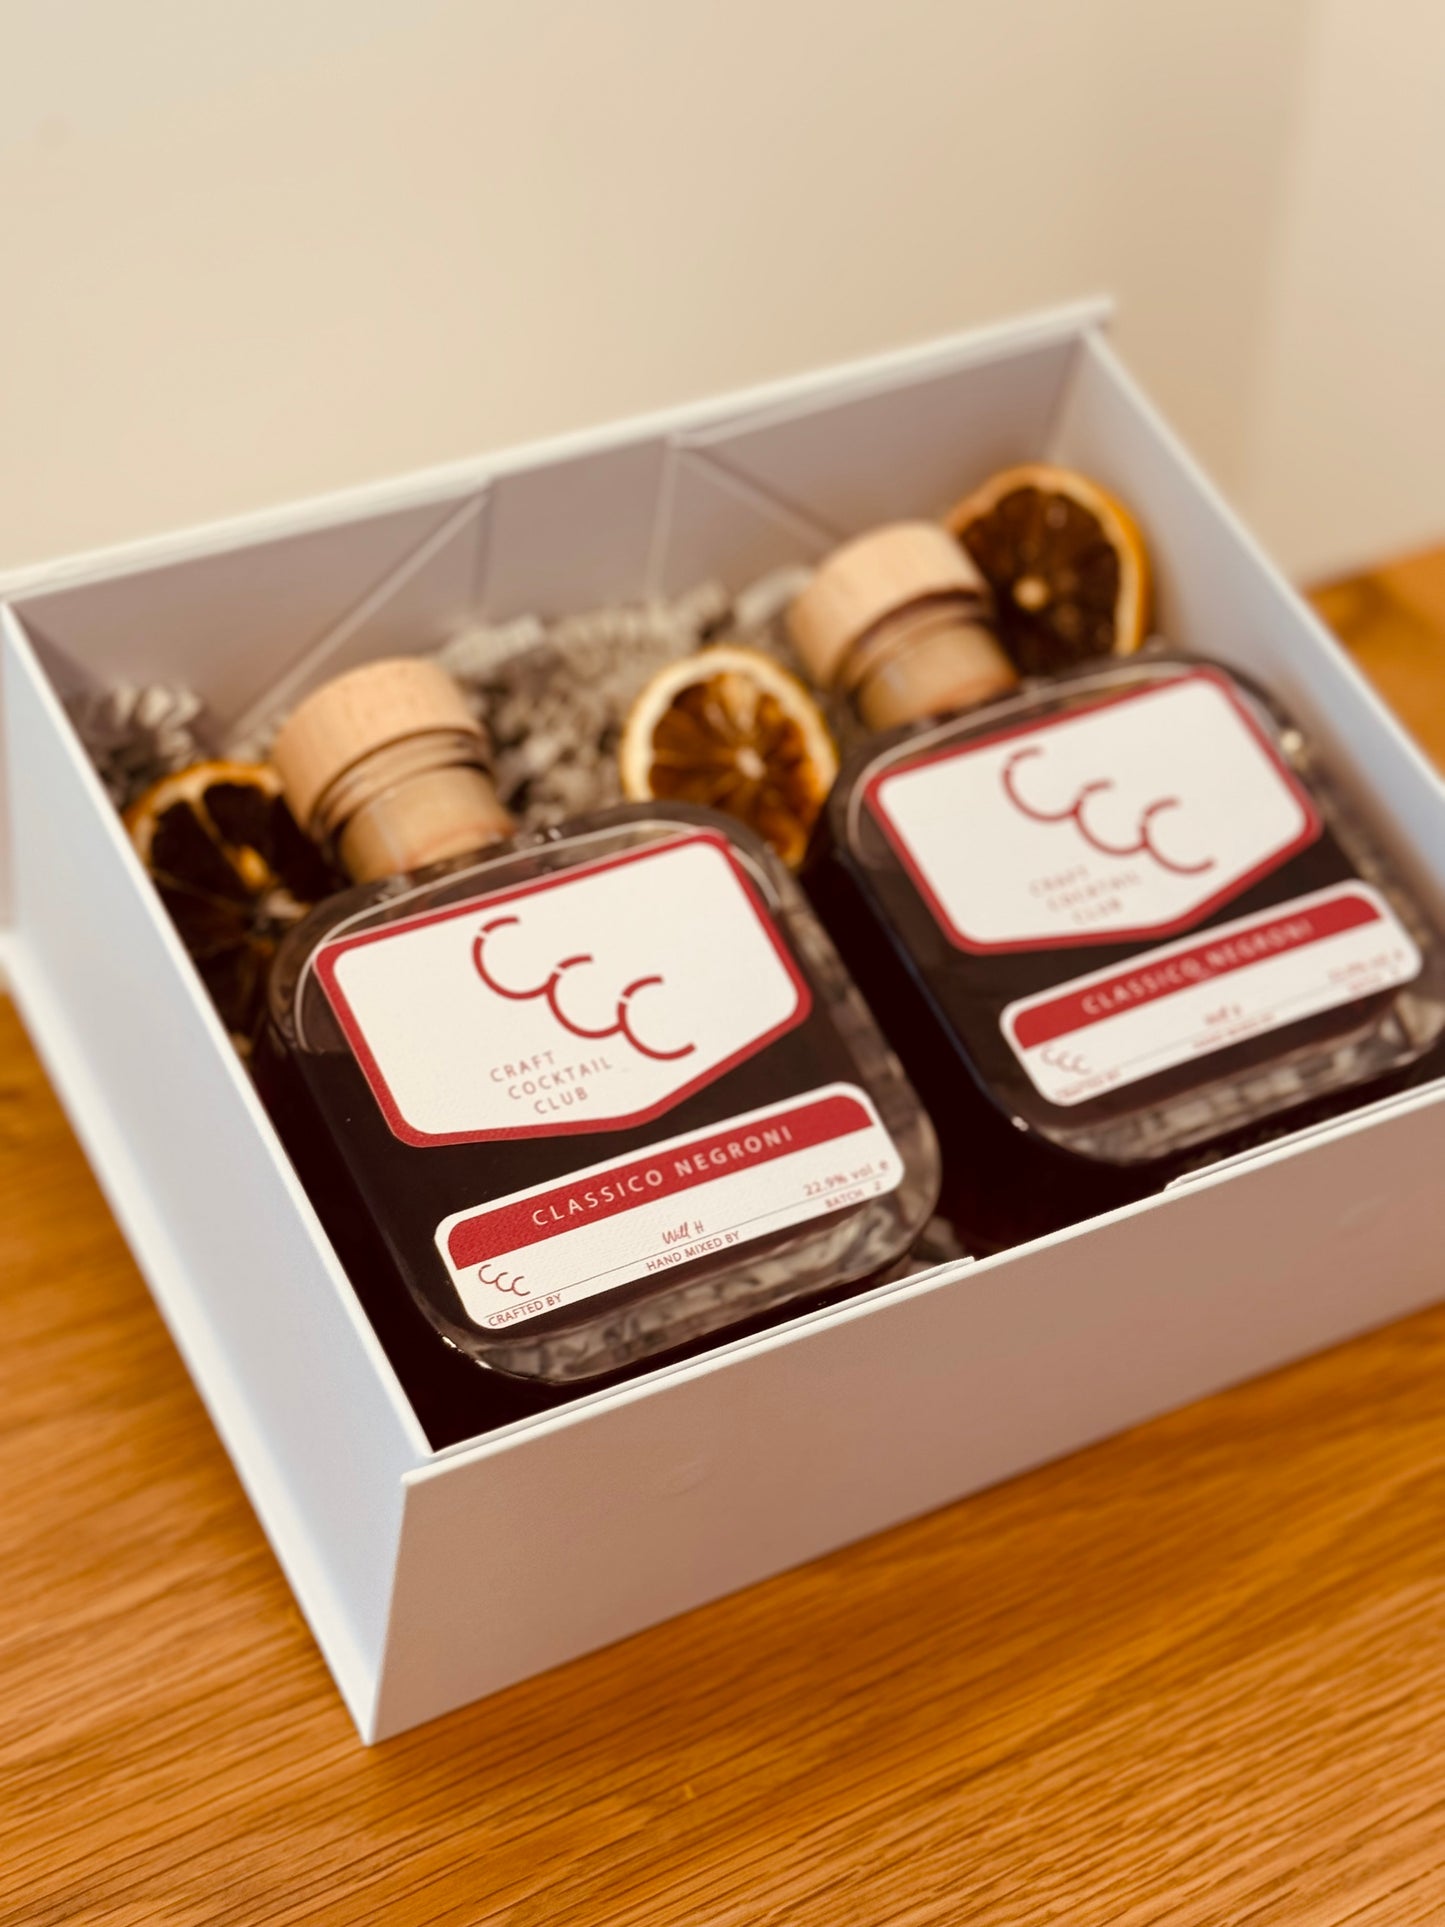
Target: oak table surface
<point x="1195" y="1674"/>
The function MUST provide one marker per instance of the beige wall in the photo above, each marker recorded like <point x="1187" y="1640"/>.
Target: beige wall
<point x="252" y="251"/>
<point x="1348" y="444"/>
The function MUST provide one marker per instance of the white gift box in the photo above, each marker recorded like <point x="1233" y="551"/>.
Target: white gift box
<point x="432" y="1576"/>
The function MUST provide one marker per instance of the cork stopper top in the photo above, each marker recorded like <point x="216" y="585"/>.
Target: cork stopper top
<point x="365" y="710"/>
<point x="869" y="579"/>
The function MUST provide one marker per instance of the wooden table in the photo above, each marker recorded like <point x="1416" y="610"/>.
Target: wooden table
<point x="1196" y="1674"/>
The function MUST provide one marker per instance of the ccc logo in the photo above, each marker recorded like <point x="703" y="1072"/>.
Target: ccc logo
<point x="1077" y="814"/>
<point x="625" y="1021"/>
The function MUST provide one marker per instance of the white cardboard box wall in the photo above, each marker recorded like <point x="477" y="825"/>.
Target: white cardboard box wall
<point x="433" y="1577"/>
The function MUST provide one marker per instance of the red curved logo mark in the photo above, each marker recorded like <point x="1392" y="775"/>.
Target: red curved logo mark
<point x="1072" y="1063"/>
<point x="505" y="1281"/>
<point x="550" y="991"/>
<point x="1145" y="846"/>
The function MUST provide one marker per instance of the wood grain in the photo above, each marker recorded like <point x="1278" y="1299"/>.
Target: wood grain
<point x="1196" y="1674"/>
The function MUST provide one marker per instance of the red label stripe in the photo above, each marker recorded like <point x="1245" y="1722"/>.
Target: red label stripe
<point x="622" y="1187"/>
<point x="1163" y="975"/>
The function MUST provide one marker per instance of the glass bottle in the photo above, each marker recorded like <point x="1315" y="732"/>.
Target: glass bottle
<point x="1112" y="922"/>
<point x="587" y="1095"/>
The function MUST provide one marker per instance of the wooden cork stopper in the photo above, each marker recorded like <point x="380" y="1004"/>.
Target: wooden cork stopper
<point x="363" y="711"/>
<point x="870" y="579"/>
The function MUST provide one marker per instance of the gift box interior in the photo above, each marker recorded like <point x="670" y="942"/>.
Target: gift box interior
<point x="341" y="1423"/>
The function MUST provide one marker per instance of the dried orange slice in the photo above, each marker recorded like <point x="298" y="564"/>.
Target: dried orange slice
<point x="1066" y="563"/>
<point x="235" y="873"/>
<point x="732" y="729"/>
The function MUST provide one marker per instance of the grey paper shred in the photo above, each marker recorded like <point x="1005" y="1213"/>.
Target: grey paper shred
<point x="554" y="696"/>
<point x="137" y="733"/>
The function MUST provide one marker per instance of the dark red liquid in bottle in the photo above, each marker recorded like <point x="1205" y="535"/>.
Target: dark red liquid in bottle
<point x="586" y="1100"/>
<point x="1089" y="945"/>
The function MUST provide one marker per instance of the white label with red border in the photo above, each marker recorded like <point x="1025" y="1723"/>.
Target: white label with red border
<point x="695" y="1196"/>
<point x="590" y="999"/>
<point x="1184" y="1000"/>
<point x="1132" y="817"/>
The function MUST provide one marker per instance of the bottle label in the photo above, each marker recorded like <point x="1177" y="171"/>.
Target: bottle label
<point x="591" y="999"/>
<point x="1134" y="817"/>
<point x="1186" y="999"/>
<point x="692" y="1197"/>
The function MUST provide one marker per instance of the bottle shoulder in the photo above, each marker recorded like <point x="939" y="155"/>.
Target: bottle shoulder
<point x="1035" y="708"/>
<point x="525" y="865"/>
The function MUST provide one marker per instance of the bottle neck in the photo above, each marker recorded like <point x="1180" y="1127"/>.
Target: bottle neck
<point x="929" y="659"/>
<point x="410" y="804"/>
